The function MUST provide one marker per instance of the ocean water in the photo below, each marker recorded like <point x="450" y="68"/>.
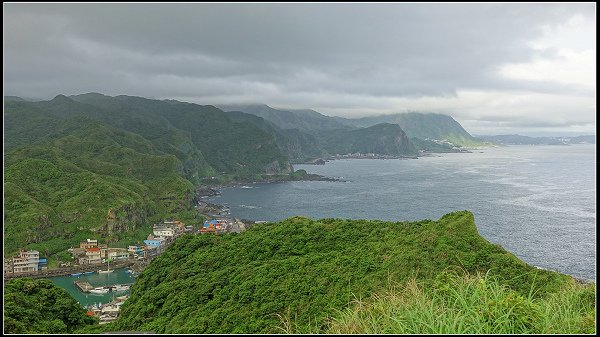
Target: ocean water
<point x="538" y="202"/>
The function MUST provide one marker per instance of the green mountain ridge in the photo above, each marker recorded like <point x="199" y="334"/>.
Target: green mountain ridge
<point x="305" y="134"/>
<point x="304" y="120"/>
<point x="298" y="146"/>
<point x="424" y="126"/>
<point x="384" y="138"/>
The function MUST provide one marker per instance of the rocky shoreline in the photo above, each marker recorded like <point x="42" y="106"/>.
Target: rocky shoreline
<point x="211" y="210"/>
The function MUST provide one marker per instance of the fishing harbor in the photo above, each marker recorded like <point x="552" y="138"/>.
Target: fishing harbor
<point x="81" y="286"/>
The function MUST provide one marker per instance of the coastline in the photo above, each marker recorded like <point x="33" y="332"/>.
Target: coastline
<point x="323" y="160"/>
<point x="205" y="190"/>
<point x="212" y="210"/>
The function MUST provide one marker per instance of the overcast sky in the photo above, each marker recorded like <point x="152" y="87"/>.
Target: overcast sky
<point x="496" y="68"/>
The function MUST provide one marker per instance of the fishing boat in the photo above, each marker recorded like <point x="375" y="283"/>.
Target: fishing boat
<point x="76" y="274"/>
<point x="99" y="290"/>
<point x="121" y="287"/>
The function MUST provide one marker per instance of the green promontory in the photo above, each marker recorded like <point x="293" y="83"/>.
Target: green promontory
<point x="307" y="270"/>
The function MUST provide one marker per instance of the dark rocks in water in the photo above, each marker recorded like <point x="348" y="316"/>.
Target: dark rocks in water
<point x="207" y="192"/>
<point x="317" y="161"/>
<point x="316" y="177"/>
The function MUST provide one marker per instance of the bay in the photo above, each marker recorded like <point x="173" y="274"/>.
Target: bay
<point x="538" y="202"/>
<point x="118" y="276"/>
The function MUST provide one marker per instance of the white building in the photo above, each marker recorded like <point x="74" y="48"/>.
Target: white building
<point x="163" y="231"/>
<point x="26" y="261"/>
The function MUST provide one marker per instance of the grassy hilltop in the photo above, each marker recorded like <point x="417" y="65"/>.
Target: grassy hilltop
<point x="296" y="275"/>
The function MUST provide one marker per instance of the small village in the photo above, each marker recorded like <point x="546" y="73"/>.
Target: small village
<point x="91" y="256"/>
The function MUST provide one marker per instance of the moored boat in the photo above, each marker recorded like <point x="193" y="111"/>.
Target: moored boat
<point x="121" y="287"/>
<point x="99" y="290"/>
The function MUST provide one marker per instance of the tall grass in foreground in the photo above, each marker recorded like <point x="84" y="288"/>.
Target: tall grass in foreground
<point x="469" y="304"/>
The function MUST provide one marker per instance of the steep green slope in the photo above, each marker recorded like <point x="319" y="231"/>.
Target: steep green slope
<point x="297" y="145"/>
<point x="306" y="270"/>
<point x="40" y="307"/>
<point x="97" y="180"/>
<point x="425" y="126"/>
<point x="230" y="148"/>
<point x="383" y="138"/>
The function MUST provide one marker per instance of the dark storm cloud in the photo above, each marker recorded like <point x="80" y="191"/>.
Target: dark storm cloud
<point x="343" y="56"/>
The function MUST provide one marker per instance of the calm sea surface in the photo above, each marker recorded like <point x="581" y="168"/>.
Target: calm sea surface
<point x="119" y="276"/>
<point x="538" y="202"/>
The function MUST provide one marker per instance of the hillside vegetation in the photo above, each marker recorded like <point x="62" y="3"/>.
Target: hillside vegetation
<point x="40" y="307"/>
<point x="308" y="270"/>
<point x="388" y="139"/>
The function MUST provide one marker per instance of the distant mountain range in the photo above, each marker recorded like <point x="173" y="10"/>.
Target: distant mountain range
<point x="430" y="130"/>
<point x="525" y="140"/>
<point x="303" y="120"/>
<point x="424" y="126"/>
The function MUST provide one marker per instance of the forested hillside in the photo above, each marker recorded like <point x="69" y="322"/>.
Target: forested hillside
<point x="40" y="307"/>
<point x="101" y="166"/>
<point x="387" y="139"/>
<point x="307" y="270"/>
